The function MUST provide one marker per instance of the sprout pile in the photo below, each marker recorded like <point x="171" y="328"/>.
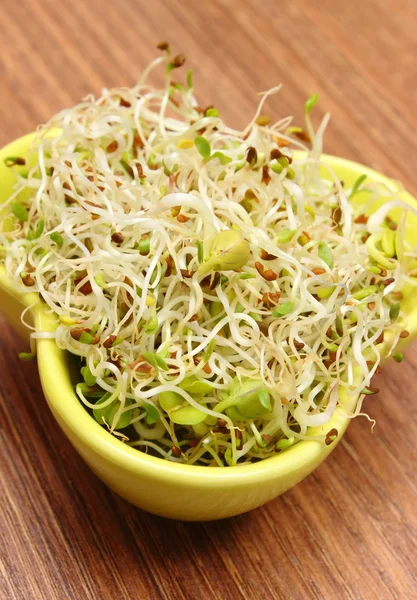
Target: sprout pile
<point x="217" y="287"/>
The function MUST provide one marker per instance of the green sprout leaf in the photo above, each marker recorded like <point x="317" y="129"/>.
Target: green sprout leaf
<point x="192" y="385"/>
<point x="19" y="211"/>
<point x="187" y="415"/>
<point x="27" y="356"/>
<point x="388" y="242"/>
<point x="190" y="79"/>
<point x="203" y="146"/>
<point x="11" y="161"/>
<point x="229" y="251"/>
<point x="144" y="245"/>
<point x="155" y="360"/>
<point x="325" y="254"/>
<point x="34" y="234"/>
<point x="169" y="400"/>
<point x="212" y="112"/>
<point x="94" y="392"/>
<point x="394" y="311"/>
<point x="285" y="443"/>
<point x="57" y="238"/>
<point x="200" y="252"/>
<point x="285" y="236"/>
<point x="265" y="399"/>
<point x="311" y="103"/>
<point x="282" y="309"/>
<point x="223" y="158"/>
<point x="209" y="350"/>
<point x="152" y="414"/>
<point x="108" y="413"/>
<point x="356" y="187"/>
<point x="398" y="357"/>
<point x="151" y="325"/>
<point x="365" y="292"/>
<point x="88" y="377"/>
<point x="250" y="398"/>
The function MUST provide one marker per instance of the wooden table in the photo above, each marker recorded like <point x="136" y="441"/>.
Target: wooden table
<point x="348" y="531"/>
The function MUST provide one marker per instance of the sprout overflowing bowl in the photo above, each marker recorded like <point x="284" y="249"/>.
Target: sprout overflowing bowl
<point x="216" y="286"/>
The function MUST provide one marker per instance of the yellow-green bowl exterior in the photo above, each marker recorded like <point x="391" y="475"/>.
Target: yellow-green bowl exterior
<point x="161" y="487"/>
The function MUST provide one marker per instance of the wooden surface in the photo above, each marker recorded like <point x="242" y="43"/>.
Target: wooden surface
<point x="348" y="531"/>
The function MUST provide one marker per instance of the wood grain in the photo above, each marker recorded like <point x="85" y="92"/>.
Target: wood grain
<point x="349" y="530"/>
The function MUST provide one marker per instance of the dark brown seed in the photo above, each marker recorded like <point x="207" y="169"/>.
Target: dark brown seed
<point x="270" y="299"/>
<point x="194" y="318"/>
<point x="329" y="333"/>
<point x="76" y="332"/>
<point x="388" y="281"/>
<point x="137" y="141"/>
<point x="331" y="436"/>
<point x="18" y="160"/>
<point x="117" y="238"/>
<point x="112" y="147"/>
<point x="266" y="178"/>
<point x="318" y="271"/>
<point x="162" y="46"/>
<point x="267" y="274"/>
<point x="170" y="263"/>
<point x="371" y="305"/>
<point x="124" y="103"/>
<point x="207" y="368"/>
<point x="176" y="451"/>
<point x="85" y="288"/>
<point x="193" y="443"/>
<point x="211" y="281"/>
<point x="182" y="218"/>
<point x="332" y="356"/>
<point x="267" y="438"/>
<point x="266" y="255"/>
<point x="404" y="334"/>
<point x="186" y="273"/>
<point x="222" y="430"/>
<point x="139" y="170"/>
<point x="28" y="280"/>
<point x="365" y="237"/>
<point x="303" y="135"/>
<point x="383" y="272"/>
<point x="275" y="153"/>
<point x="251" y="156"/>
<point x="298" y="345"/>
<point x="178" y="61"/>
<point x="380" y="339"/>
<point x="337" y="215"/>
<point x="109" y="341"/>
<point x="140" y="365"/>
<point x="361" y="219"/>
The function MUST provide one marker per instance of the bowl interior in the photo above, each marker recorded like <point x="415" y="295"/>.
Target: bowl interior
<point x="55" y="372"/>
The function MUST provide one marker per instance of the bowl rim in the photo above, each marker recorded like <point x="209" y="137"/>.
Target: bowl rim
<point x="72" y="415"/>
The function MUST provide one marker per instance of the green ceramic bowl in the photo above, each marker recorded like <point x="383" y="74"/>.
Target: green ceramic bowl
<point x="172" y="490"/>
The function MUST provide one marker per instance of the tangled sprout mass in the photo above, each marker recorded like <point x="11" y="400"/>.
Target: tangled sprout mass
<point x="216" y="285"/>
